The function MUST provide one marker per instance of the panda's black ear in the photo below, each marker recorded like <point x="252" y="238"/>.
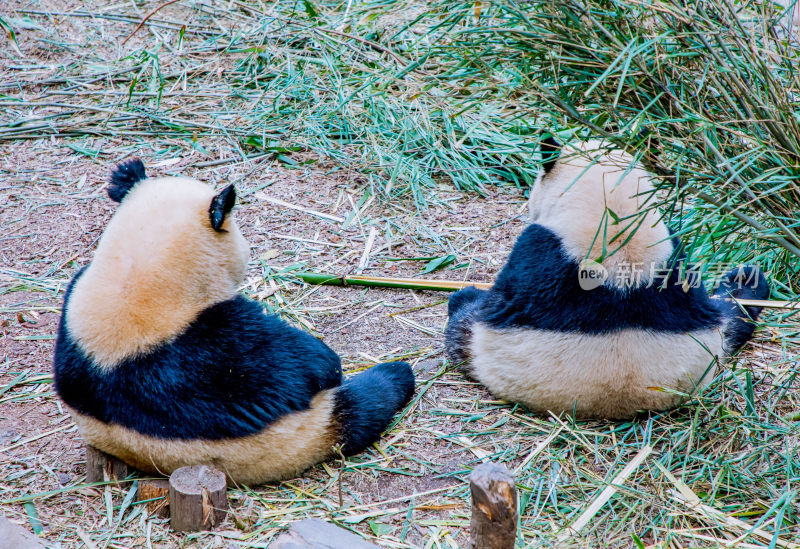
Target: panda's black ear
<point x="124" y="177"/>
<point x="551" y="149"/>
<point x="221" y="205"/>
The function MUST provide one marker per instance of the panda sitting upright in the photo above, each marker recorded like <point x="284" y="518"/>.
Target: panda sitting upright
<point x="163" y="364"/>
<point x="590" y="315"/>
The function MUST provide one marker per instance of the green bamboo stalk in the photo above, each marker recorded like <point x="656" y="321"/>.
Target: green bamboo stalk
<point x="381" y="282"/>
<point x="453" y="285"/>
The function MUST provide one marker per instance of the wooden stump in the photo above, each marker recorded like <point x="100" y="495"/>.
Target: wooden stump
<point x="494" y="508"/>
<point x="150" y="490"/>
<point x="198" y="498"/>
<point x="318" y="534"/>
<point x="100" y="465"/>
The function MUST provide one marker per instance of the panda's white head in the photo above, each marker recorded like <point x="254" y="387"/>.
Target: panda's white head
<point x="596" y="200"/>
<point x="171" y="250"/>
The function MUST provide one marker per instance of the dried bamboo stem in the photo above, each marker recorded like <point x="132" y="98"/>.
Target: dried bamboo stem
<point x="453" y="285"/>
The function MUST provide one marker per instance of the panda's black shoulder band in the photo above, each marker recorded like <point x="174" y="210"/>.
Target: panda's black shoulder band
<point x="124" y="177"/>
<point x="551" y="149"/>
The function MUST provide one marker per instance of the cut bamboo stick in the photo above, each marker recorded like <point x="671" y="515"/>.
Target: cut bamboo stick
<point x="381" y="282"/>
<point x="279" y="202"/>
<point x="453" y="285"/>
<point x="768" y="303"/>
<point x="605" y="495"/>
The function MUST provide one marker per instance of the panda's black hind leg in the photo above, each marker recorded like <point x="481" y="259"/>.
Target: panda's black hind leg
<point x="745" y="282"/>
<point x="461" y="309"/>
<point x="366" y="403"/>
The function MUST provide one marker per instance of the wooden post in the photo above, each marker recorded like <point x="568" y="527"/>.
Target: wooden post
<point x="98" y="463"/>
<point x="150" y="490"/>
<point x="494" y="508"/>
<point x="198" y="498"/>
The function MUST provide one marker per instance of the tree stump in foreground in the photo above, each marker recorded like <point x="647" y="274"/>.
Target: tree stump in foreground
<point x="494" y="508"/>
<point x="198" y="498"/>
<point x="318" y="534"/>
<point x="98" y="463"/>
<point x="156" y="493"/>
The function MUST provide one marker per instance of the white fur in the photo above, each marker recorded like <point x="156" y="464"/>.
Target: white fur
<point x="158" y="265"/>
<point x="606" y="375"/>
<point x="282" y="450"/>
<point x="574" y="198"/>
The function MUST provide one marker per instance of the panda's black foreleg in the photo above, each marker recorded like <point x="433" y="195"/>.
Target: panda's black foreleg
<point x="745" y="282"/>
<point x="461" y="309"/>
<point x="365" y="404"/>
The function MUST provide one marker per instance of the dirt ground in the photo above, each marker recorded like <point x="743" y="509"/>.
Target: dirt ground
<point x="310" y="213"/>
<point x="53" y="215"/>
<point x="53" y="209"/>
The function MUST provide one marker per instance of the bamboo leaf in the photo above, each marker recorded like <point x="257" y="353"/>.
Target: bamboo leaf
<point x="438" y="263"/>
<point x="33" y="517"/>
<point x="10" y="34"/>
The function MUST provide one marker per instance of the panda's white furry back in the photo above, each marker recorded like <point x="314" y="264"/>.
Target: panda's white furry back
<point x="591" y="314"/>
<point x="163" y="364"/>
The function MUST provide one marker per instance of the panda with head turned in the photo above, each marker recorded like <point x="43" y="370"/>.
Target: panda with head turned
<point x="591" y="315"/>
<point x="163" y="364"/>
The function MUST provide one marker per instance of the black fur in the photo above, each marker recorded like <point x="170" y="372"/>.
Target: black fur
<point x="367" y="402"/>
<point x="124" y="177"/>
<point x="551" y="150"/>
<point x="233" y="372"/>
<point x="221" y="205"/>
<point x="539" y="288"/>
<point x="461" y="308"/>
<point x="746" y="282"/>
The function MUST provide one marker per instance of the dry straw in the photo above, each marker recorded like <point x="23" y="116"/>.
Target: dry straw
<point x="410" y="98"/>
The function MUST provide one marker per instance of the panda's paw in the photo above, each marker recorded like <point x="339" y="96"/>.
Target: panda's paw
<point x="744" y="282"/>
<point x="400" y="375"/>
<point x="367" y="402"/>
<point x="468" y="295"/>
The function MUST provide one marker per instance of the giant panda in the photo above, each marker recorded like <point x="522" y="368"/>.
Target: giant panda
<point x="163" y="364"/>
<point x="593" y="314"/>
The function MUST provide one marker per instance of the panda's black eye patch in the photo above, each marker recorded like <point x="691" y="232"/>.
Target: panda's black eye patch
<point x="220" y="206"/>
<point x="124" y="177"/>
